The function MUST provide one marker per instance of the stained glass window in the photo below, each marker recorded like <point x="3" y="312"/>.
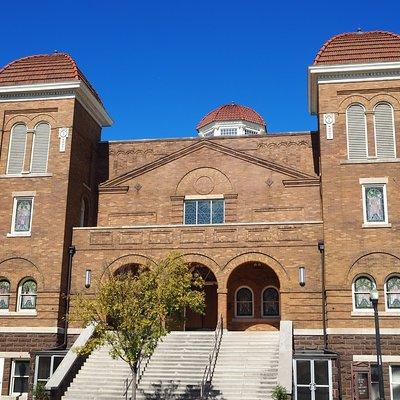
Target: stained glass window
<point x="204" y="211"/>
<point x="22" y="216"/>
<point x="4" y="294"/>
<point x="393" y="292"/>
<point x="270" y="302"/>
<point x="374" y="203"/>
<point x="244" y="302"/>
<point x="362" y="290"/>
<point x="28" y="295"/>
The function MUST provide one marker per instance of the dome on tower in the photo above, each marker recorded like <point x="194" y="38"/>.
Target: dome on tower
<point x="359" y="48"/>
<point x="233" y="120"/>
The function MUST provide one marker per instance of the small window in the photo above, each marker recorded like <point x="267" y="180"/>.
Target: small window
<point x="204" y="212"/>
<point x="40" y="148"/>
<point x="362" y="287"/>
<point x="270" y="302"/>
<point x="356" y="132"/>
<point x="395" y="382"/>
<point x="27" y="294"/>
<point x="392" y="289"/>
<point x="244" y="302"/>
<point x="22" y="216"/>
<point x="19" y="377"/>
<point x="4" y="294"/>
<point x="45" y="367"/>
<point x="375" y="208"/>
<point x="250" y="132"/>
<point x="228" y="131"/>
<point x="84" y="213"/>
<point x="384" y="131"/>
<point x="374" y="382"/>
<point x="16" y="153"/>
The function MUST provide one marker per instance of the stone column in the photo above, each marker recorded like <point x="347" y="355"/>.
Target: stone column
<point x="223" y="306"/>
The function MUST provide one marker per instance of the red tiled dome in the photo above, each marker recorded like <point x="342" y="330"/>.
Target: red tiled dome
<point x="43" y="68"/>
<point x="360" y="47"/>
<point x="231" y="112"/>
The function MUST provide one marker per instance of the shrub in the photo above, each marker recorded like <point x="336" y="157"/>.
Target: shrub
<point x="39" y="392"/>
<point x="279" y="393"/>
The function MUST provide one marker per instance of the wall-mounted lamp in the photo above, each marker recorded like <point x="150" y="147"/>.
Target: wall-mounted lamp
<point x="88" y="278"/>
<point x="321" y="245"/>
<point x="302" y="276"/>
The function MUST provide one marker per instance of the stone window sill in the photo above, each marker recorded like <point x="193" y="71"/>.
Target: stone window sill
<point x="371" y="161"/>
<point x="378" y="225"/>
<point x="366" y="313"/>
<point x="7" y="313"/>
<point x="252" y="319"/>
<point x="24" y="234"/>
<point x="13" y="176"/>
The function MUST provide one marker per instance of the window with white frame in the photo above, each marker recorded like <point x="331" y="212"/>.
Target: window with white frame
<point x="4" y="294"/>
<point x="22" y="216"/>
<point x="16" y="152"/>
<point x="40" y="148"/>
<point x="244" y="302"/>
<point x="228" y="131"/>
<point x="312" y="379"/>
<point x="248" y="131"/>
<point x="385" y="142"/>
<point x="357" y="144"/>
<point x="19" y="377"/>
<point x="270" y="302"/>
<point x="392" y="291"/>
<point x="45" y="367"/>
<point x="395" y="382"/>
<point x="206" y="211"/>
<point x="362" y="287"/>
<point x="27" y="295"/>
<point x="374" y="197"/>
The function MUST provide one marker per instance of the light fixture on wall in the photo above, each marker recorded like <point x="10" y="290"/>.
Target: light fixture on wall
<point x="302" y="276"/>
<point x="88" y="278"/>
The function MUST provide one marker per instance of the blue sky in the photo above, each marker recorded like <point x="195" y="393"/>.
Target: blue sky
<point x="159" y="66"/>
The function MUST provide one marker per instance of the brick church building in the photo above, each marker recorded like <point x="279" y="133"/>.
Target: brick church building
<point x="296" y="226"/>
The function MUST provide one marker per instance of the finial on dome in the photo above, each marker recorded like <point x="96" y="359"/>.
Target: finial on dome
<point x="359" y="30"/>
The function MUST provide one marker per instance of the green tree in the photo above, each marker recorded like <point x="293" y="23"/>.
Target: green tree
<point x="130" y="311"/>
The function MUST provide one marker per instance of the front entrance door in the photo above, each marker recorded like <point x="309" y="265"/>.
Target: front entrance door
<point x="313" y="379"/>
<point x="207" y="321"/>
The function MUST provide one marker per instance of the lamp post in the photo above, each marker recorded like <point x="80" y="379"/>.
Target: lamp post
<point x="374" y="296"/>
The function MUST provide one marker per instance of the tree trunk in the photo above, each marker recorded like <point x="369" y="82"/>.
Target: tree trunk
<point x="134" y="382"/>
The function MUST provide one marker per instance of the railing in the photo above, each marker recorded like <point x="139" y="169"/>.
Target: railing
<point x="142" y="364"/>
<point x="212" y="359"/>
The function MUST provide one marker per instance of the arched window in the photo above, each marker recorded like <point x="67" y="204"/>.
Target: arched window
<point x="16" y="153"/>
<point x="40" y="148"/>
<point x="4" y="294"/>
<point x="244" y="302"/>
<point x="356" y="132"/>
<point x="392" y="290"/>
<point x="384" y="131"/>
<point x="27" y="293"/>
<point x="84" y="212"/>
<point x="362" y="287"/>
<point x="270" y="302"/>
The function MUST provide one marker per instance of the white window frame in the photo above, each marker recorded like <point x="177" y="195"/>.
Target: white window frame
<point x="5" y="310"/>
<point x="387" y="309"/>
<point x="14" y="215"/>
<point x="353" y="295"/>
<point x="262" y="303"/>
<point x="9" y="149"/>
<point x="374" y="182"/>
<point x="366" y="132"/>
<point x="228" y="128"/>
<point x="391" y="379"/>
<point x="394" y="129"/>
<point x="202" y="198"/>
<point x="33" y="147"/>
<point x="312" y="373"/>
<point x="252" y="302"/>
<point x="32" y="311"/>
<point x="12" y="378"/>
<point x="52" y="357"/>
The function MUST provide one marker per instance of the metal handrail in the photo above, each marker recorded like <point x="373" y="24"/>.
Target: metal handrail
<point x="140" y="372"/>
<point x="212" y="359"/>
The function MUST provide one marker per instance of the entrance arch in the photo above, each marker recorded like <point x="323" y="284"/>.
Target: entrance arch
<point x="253" y="297"/>
<point x="208" y="320"/>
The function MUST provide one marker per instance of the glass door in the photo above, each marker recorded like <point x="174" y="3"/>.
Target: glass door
<point x="313" y="379"/>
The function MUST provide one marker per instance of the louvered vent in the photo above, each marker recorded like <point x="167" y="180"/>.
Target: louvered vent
<point x="40" y="149"/>
<point x="384" y="131"/>
<point x="17" y="149"/>
<point x="356" y="132"/>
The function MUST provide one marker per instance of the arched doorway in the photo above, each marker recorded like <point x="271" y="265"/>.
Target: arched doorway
<point x="208" y="320"/>
<point x="253" y="298"/>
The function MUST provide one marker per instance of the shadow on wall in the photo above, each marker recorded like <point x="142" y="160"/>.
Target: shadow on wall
<point x="168" y="391"/>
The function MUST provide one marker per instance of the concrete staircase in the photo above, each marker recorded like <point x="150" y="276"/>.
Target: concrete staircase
<point x="174" y="371"/>
<point x="247" y="366"/>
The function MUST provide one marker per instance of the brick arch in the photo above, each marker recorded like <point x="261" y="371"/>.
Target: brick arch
<point x="377" y="264"/>
<point x="344" y="104"/>
<point x="125" y="259"/>
<point x="15" y="275"/>
<point x="17" y="119"/>
<point x="262" y="258"/>
<point x="385" y="98"/>
<point x="47" y="118"/>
